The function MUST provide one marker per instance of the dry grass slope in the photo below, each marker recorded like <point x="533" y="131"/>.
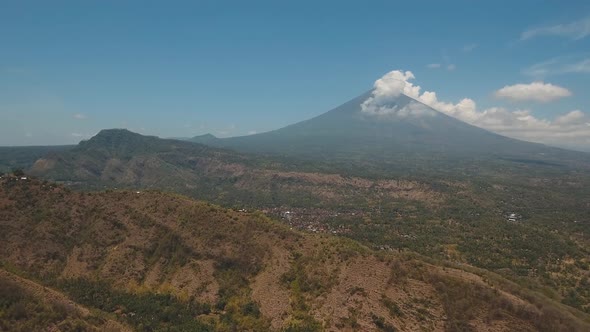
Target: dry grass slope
<point x="159" y="261"/>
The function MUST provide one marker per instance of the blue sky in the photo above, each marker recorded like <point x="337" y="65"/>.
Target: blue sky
<point x="183" y="68"/>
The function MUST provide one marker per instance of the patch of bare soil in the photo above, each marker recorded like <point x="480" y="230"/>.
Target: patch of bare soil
<point x="42" y="165"/>
<point x="418" y="304"/>
<point x="196" y="279"/>
<point x="76" y="266"/>
<point x="268" y="291"/>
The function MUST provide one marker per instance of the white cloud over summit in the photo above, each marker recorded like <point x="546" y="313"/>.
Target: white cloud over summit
<point x="571" y="129"/>
<point x="537" y="91"/>
<point x="387" y="89"/>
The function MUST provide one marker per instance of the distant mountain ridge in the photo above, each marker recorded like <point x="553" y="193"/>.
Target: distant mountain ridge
<point x="118" y="157"/>
<point x="204" y="139"/>
<point x="424" y="202"/>
<point x="22" y="157"/>
<point x="346" y="132"/>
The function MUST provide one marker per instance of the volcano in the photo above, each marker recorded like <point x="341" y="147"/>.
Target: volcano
<point x="349" y="132"/>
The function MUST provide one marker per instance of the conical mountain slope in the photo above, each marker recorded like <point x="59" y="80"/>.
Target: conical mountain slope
<point x="411" y="128"/>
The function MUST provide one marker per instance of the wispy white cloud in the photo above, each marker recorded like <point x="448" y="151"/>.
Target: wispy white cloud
<point x="449" y="67"/>
<point x="572" y="117"/>
<point x="79" y="116"/>
<point x="537" y="91"/>
<point x="445" y="62"/>
<point x="571" y="129"/>
<point x="78" y="135"/>
<point x="578" y="64"/>
<point x="574" y="30"/>
<point x="582" y="66"/>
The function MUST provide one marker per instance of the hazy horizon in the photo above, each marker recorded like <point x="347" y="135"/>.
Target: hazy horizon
<point x="231" y="69"/>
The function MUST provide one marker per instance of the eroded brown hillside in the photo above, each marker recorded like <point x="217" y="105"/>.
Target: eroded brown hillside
<point x="159" y="261"/>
